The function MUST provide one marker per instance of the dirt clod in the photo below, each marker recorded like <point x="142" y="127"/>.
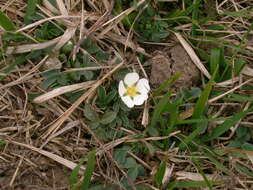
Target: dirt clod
<point x="170" y="61"/>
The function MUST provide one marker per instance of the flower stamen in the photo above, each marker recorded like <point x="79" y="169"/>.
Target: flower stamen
<point x="132" y="91"/>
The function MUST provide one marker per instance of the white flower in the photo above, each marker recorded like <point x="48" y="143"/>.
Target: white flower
<point x="133" y="91"/>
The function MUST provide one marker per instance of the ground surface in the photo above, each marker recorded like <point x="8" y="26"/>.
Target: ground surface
<point x="61" y="62"/>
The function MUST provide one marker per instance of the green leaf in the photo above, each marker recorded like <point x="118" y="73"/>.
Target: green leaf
<point x="6" y="23"/>
<point x="199" y="110"/>
<point x="94" y="124"/>
<point x="195" y="13"/>
<point x="48" y="82"/>
<point x="120" y="155"/>
<point x="218" y="164"/>
<point x="158" y="110"/>
<point x="103" y="187"/>
<point x="87" y="74"/>
<point x="101" y="93"/>
<point x="247" y="146"/>
<point x="191" y="184"/>
<point x="90" y="114"/>
<point x="160" y="174"/>
<point x="189" y="95"/>
<point x="241" y="131"/>
<point x="2" y="142"/>
<point x="74" y="174"/>
<point x="129" y="163"/>
<point x="244" y="170"/>
<point x="239" y="98"/>
<point x="89" y="170"/>
<point x="238" y="66"/>
<point x="21" y="59"/>
<point x="235" y="144"/>
<point x="108" y="117"/>
<point x="201" y="120"/>
<point x="201" y="103"/>
<point x="166" y="84"/>
<point x="226" y="125"/>
<point x="30" y="10"/>
<point x="215" y="59"/>
<point x="110" y="97"/>
<point x="133" y="173"/>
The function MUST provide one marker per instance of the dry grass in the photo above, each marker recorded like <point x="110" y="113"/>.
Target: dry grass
<point x="46" y="136"/>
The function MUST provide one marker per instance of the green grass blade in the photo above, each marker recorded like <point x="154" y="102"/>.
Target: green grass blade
<point x="244" y="170"/>
<point x="201" y="103"/>
<point x="166" y="84"/>
<point x="89" y="170"/>
<point x="197" y="164"/>
<point x="30" y="10"/>
<point x="195" y="13"/>
<point x="6" y="23"/>
<point x="21" y="59"/>
<point x="218" y="164"/>
<point x="173" y="118"/>
<point x="225" y="126"/>
<point x="159" y="109"/>
<point x="240" y="13"/>
<point x="199" y="110"/>
<point x="74" y="174"/>
<point x="201" y="120"/>
<point x="191" y="184"/>
<point x="215" y="59"/>
<point x="239" y="98"/>
<point x="160" y="173"/>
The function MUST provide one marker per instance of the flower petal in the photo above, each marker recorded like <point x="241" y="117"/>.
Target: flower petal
<point x="143" y="86"/>
<point x="122" y="89"/>
<point x="139" y="100"/>
<point x="128" y="101"/>
<point x="131" y="78"/>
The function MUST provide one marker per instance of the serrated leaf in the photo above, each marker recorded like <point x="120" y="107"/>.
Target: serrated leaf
<point x="241" y="131"/>
<point x="6" y="23"/>
<point x="129" y="162"/>
<point x="235" y="144"/>
<point x="87" y="74"/>
<point x="101" y="93"/>
<point x="94" y="124"/>
<point x="133" y="173"/>
<point x="108" y="117"/>
<point x="247" y="146"/>
<point x="120" y="154"/>
<point x="48" y="82"/>
<point x="90" y="114"/>
<point x="110" y="97"/>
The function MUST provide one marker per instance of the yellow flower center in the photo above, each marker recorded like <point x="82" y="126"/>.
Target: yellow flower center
<point x="132" y="91"/>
